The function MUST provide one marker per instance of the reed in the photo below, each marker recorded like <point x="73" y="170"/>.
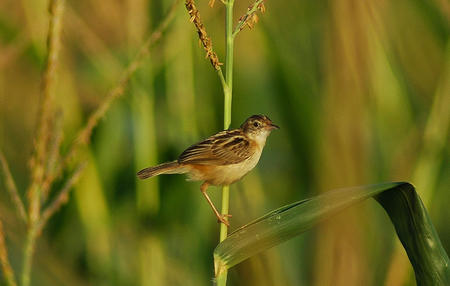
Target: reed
<point x="248" y="19"/>
<point x="47" y="162"/>
<point x="357" y="103"/>
<point x="38" y="161"/>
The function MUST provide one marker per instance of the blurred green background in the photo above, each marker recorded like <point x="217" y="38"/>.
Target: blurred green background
<point x="361" y="90"/>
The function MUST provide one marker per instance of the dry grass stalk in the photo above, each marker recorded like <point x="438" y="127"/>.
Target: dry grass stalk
<point x="84" y="134"/>
<point x="46" y="163"/>
<point x="203" y="36"/>
<point x="250" y="18"/>
<point x="62" y="197"/>
<point x="38" y="161"/>
<point x="56" y="8"/>
<point x="12" y="188"/>
<point x="6" y="266"/>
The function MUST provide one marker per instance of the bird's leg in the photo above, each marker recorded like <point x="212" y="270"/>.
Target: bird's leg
<point x="220" y="218"/>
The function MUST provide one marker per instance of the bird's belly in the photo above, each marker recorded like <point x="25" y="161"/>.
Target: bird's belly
<point x="225" y="174"/>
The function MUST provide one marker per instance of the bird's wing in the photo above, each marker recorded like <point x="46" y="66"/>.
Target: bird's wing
<point x="223" y="148"/>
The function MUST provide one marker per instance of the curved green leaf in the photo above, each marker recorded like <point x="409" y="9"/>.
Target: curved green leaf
<point x="400" y="200"/>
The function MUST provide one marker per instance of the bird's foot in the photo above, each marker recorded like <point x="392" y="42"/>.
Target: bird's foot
<point x="224" y="219"/>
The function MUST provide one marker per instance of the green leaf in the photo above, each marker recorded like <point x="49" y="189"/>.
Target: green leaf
<point x="400" y="201"/>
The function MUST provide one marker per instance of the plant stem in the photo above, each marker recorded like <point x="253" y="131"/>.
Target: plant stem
<point x="243" y="20"/>
<point x="221" y="275"/>
<point x="28" y="254"/>
<point x="8" y="272"/>
<point x="228" y="63"/>
<point x="12" y="188"/>
<point x="44" y="134"/>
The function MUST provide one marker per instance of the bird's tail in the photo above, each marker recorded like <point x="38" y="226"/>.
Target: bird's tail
<point x="165" y="168"/>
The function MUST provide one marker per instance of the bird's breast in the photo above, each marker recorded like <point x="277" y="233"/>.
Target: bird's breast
<point x="223" y="174"/>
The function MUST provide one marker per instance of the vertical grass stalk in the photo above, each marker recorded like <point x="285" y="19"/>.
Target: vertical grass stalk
<point x="221" y="274"/>
<point x="28" y="254"/>
<point x="39" y="159"/>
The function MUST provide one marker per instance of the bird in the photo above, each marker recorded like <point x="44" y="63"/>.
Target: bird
<point x="220" y="159"/>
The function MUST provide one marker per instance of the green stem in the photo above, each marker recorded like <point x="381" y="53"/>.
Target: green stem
<point x="244" y="18"/>
<point x="228" y="63"/>
<point x="221" y="274"/>
<point x="225" y="206"/>
<point x="222" y="81"/>
<point x="28" y="255"/>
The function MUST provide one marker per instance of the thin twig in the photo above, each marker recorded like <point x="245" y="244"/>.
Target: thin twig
<point x="6" y="266"/>
<point x="61" y="198"/>
<point x="250" y="17"/>
<point x="12" y="188"/>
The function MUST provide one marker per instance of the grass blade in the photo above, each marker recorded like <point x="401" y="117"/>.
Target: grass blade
<point x="401" y="202"/>
<point x="417" y="234"/>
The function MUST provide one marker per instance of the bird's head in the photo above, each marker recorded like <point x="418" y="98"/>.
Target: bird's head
<point x="258" y="127"/>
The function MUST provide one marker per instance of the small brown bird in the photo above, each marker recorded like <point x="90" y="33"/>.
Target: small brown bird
<point x="221" y="159"/>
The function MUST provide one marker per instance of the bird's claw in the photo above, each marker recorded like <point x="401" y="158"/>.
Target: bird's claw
<point x="224" y="219"/>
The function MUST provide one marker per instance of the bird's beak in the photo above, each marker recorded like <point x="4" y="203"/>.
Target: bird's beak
<point x="273" y="126"/>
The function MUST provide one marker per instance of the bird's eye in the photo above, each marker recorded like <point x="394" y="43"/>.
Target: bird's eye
<point x="256" y="124"/>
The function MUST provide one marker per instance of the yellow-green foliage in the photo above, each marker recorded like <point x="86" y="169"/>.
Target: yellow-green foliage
<point x="359" y="88"/>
